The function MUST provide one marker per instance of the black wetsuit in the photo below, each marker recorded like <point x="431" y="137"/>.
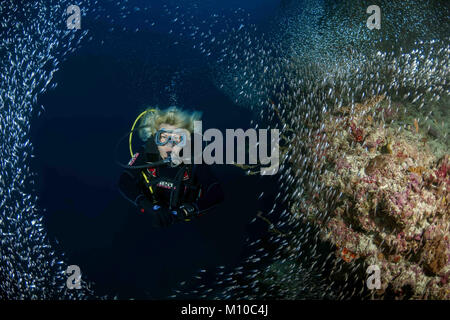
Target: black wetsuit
<point x="196" y="184"/>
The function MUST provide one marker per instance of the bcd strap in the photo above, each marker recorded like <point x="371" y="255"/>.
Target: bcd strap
<point x="177" y="181"/>
<point x="175" y="194"/>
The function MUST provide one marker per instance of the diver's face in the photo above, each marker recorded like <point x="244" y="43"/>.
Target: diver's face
<point x="169" y="147"/>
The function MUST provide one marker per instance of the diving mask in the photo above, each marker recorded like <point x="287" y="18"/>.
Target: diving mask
<point x="176" y="137"/>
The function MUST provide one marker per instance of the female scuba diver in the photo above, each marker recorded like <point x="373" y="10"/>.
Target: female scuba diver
<point x="165" y="192"/>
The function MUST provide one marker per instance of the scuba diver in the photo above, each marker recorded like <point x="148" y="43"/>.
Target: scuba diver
<point x="164" y="191"/>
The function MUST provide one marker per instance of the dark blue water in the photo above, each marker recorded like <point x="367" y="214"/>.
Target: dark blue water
<point x="101" y="89"/>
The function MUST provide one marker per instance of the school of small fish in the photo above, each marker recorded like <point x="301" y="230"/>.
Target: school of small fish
<point x="309" y="58"/>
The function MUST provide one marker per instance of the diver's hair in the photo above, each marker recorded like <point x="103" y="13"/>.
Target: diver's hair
<point x="173" y="115"/>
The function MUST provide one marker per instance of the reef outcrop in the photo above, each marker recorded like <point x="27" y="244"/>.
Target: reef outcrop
<point x="392" y="175"/>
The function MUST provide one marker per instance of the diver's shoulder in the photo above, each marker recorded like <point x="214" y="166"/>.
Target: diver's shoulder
<point x="141" y="156"/>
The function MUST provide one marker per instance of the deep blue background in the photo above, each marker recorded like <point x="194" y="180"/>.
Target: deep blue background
<point x="101" y="89"/>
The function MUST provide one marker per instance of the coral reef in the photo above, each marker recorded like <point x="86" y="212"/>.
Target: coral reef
<point x="393" y="179"/>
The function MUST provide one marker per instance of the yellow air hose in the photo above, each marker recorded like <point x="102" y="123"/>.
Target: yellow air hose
<point x="131" y="138"/>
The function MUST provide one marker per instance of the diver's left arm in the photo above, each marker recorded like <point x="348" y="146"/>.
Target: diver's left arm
<point x="210" y="194"/>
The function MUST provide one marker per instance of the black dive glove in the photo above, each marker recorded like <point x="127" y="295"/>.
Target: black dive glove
<point x="189" y="210"/>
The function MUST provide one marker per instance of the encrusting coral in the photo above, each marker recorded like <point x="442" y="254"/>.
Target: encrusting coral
<point x="393" y="209"/>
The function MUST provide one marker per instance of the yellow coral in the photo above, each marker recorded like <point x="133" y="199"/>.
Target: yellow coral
<point x="417" y="170"/>
<point x="387" y="148"/>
